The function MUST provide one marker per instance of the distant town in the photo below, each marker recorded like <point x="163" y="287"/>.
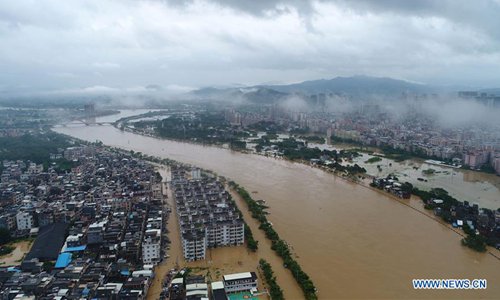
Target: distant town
<point x="409" y="133"/>
<point x="82" y="220"/>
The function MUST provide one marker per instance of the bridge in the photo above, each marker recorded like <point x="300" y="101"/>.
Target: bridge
<point x="86" y="122"/>
<point x="89" y="118"/>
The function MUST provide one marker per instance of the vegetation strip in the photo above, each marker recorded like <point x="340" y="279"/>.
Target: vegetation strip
<point x="275" y="290"/>
<point x="473" y="240"/>
<point x="212" y="129"/>
<point x="252" y="244"/>
<point x="278" y="245"/>
<point x="5" y="239"/>
<point x="446" y="206"/>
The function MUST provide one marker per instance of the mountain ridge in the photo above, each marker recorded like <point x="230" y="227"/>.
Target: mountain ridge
<point x="356" y="87"/>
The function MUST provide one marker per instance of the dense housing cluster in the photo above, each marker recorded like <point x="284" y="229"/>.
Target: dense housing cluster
<point x="98" y="226"/>
<point x="406" y="133"/>
<point x="207" y="216"/>
<point x="233" y="286"/>
<point x="411" y="132"/>
<point x="392" y="185"/>
<point x="419" y="135"/>
<point x="481" y="222"/>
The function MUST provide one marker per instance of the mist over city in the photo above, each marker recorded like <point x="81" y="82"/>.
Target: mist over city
<point x="265" y="149"/>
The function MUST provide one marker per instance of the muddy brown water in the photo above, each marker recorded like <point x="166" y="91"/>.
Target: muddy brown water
<point x="354" y="242"/>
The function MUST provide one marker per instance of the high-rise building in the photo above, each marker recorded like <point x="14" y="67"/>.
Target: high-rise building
<point x="207" y="217"/>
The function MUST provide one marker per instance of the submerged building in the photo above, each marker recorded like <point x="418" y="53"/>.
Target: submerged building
<point x="207" y="216"/>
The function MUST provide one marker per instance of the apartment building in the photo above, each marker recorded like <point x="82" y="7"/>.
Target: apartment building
<point x="24" y="221"/>
<point x="151" y="247"/>
<point x="207" y="216"/>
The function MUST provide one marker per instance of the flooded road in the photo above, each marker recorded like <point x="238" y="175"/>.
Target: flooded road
<point x="223" y="260"/>
<point x="354" y="242"/>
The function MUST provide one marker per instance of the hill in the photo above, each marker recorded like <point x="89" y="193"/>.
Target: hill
<point x="355" y="87"/>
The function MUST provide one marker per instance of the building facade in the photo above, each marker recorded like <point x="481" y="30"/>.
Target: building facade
<point x="240" y="282"/>
<point x="24" y="221"/>
<point x="151" y="248"/>
<point x="207" y="216"/>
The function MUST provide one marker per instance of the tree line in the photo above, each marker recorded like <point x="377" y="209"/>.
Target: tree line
<point x="278" y="245"/>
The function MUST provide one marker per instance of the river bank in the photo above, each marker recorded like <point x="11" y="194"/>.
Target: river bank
<point x="208" y="269"/>
<point x="224" y="260"/>
<point x="353" y="242"/>
<point x="472" y="186"/>
<point x="355" y="178"/>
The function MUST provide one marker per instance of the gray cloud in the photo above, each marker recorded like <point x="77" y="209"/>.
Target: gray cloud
<point x="258" y="7"/>
<point x="481" y="15"/>
<point x="52" y="45"/>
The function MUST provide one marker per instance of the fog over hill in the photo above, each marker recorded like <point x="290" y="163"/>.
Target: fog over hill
<point x="355" y="87"/>
<point x="397" y="98"/>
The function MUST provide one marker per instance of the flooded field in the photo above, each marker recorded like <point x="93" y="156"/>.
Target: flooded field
<point x="465" y="185"/>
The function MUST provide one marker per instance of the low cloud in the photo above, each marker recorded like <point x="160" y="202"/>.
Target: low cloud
<point x="200" y="42"/>
<point x="455" y="112"/>
<point x="105" y="65"/>
<point x="295" y="103"/>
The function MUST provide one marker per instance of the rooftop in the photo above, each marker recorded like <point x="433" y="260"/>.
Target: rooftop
<point x="237" y="276"/>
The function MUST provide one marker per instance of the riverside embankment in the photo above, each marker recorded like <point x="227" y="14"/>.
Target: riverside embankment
<point x="352" y="241"/>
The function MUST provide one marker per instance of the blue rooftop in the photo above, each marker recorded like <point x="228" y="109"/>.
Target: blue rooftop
<point x="75" y="249"/>
<point x="13" y="269"/>
<point x="85" y="291"/>
<point x="63" y="260"/>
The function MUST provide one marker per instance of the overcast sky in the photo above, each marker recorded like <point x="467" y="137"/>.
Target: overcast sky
<point x="106" y="45"/>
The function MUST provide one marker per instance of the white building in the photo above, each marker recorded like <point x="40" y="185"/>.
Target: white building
<point x="495" y="163"/>
<point x="207" y="217"/>
<point x="228" y="233"/>
<point x="197" y="290"/>
<point x="24" y="221"/>
<point x="95" y="232"/>
<point x="240" y="282"/>
<point x="194" y="245"/>
<point x="151" y="247"/>
<point x="196" y="173"/>
<point x="156" y="188"/>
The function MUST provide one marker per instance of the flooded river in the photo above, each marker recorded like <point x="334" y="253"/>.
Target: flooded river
<point x="354" y="242"/>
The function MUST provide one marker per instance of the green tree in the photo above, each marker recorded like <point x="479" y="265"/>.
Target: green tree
<point x="475" y="242"/>
<point x="5" y="236"/>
